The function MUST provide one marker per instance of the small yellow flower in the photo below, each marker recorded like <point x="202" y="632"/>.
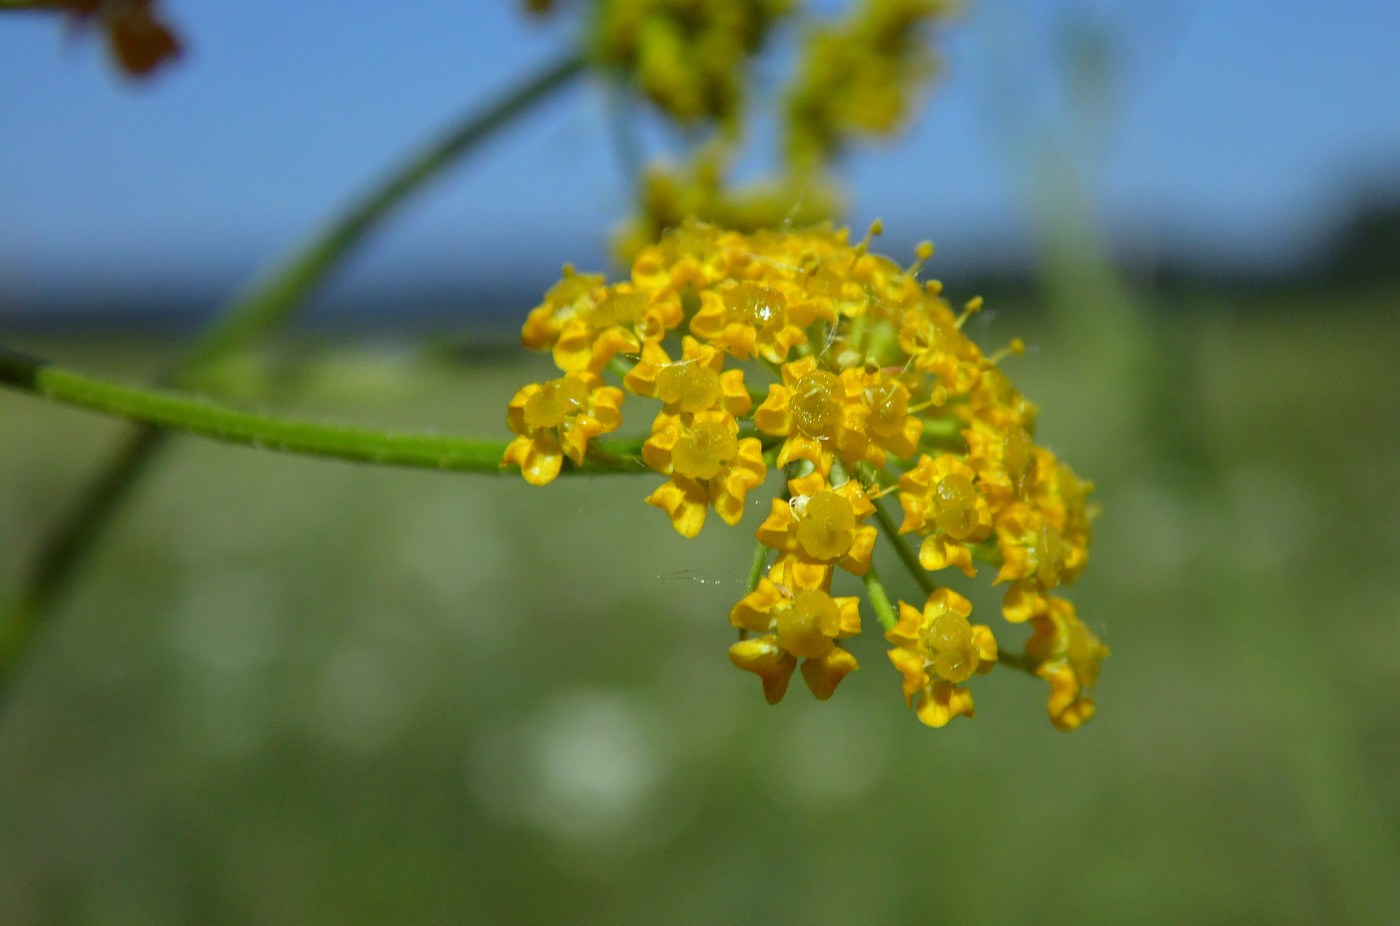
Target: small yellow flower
<point x="859" y="76"/>
<point x="929" y="334"/>
<point x="695" y="383"/>
<point x="821" y="414"/>
<point x="568" y="299"/>
<point x="1067" y="655"/>
<point x="688" y="58"/>
<point x="1001" y="457"/>
<point x="995" y="404"/>
<point x="1062" y="498"/>
<point x="937" y="649"/>
<point x="820" y="527"/>
<point x="614" y="320"/>
<point x="890" y="425"/>
<point x="556" y="419"/>
<point x="795" y="623"/>
<point x="709" y="465"/>
<point x="748" y="318"/>
<point x="941" y="501"/>
<point x="1032" y="547"/>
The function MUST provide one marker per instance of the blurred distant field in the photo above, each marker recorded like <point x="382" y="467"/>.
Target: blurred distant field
<point x="296" y="691"/>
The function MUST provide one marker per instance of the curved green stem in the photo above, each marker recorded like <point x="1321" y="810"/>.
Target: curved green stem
<point x="906" y="555"/>
<point x="268" y="304"/>
<point x="164" y="409"/>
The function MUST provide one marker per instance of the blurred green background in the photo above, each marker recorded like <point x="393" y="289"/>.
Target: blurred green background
<point x="295" y="691"/>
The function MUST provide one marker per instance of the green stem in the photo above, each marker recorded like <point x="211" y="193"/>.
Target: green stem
<point x="273" y="300"/>
<point x="879" y="599"/>
<point x="760" y="560"/>
<point x="943" y="433"/>
<point x="269" y="304"/>
<point x="163" y="409"/>
<point x="906" y="555"/>
<point x="1017" y="661"/>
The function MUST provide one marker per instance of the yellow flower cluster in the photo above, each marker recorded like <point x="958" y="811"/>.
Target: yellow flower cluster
<point x="688" y="57"/>
<point x="857" y="76"/>
<point x="796" y="350"/>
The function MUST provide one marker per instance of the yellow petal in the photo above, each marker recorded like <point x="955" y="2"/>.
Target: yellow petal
<point x="824" y="673"/>
<point x="755" y="610"/>
<point x="766" y="659"/>
<point x="941" y="702"/>
<point x="685" y="501"/>
<point x="538" y="457"/>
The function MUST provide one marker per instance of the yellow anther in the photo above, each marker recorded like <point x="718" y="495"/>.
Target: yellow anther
<point x="970" y="308"/>
<point x="922" y="252"/>
<point x="1016" y="348"/>
<point x="876" y="229"/>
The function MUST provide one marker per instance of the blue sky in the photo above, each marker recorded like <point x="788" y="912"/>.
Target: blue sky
<point x="1236" y="130"/>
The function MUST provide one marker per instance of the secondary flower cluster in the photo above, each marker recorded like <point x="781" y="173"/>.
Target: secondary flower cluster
<point x="855" y="73"/>
<point x="797" y="351"/>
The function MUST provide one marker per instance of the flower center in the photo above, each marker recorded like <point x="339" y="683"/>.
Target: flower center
<point x="950" y="643"/>
<point x="704" y="449"/>
<point x="816" y="410"/>
<point x="889" y="406"/>
<point x="554" y="402"/>
<point x="805" y="627"/>
<point x="949" y="631"/>
<point x="756" y="305"/>
<point x="618" y="309"/>
<point x="827" y="528"/>
<point x="955" y="504"/>
<point x="688" y="384"/>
